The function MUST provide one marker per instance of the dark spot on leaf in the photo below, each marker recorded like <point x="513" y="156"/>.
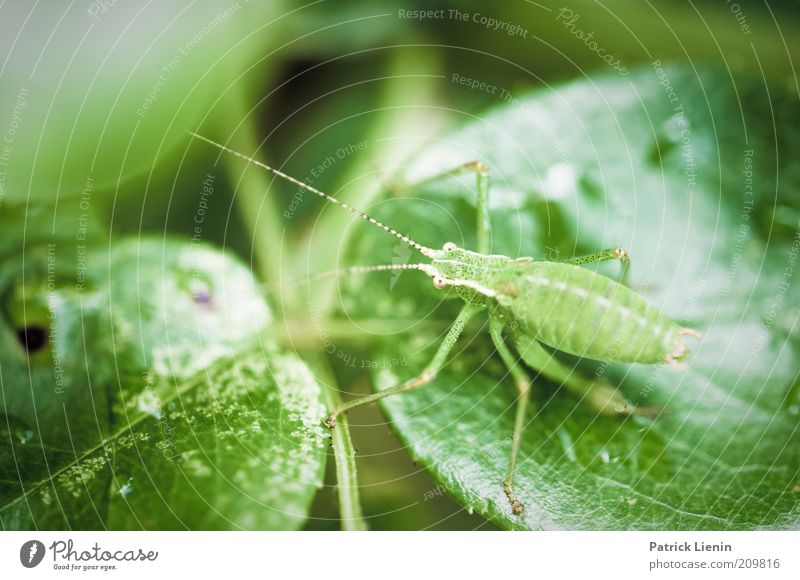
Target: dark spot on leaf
<point x="591" y="184"/>
<point x="659" y="151"/>
<point x="32" y="338"/>
<point x="202" y="297"/>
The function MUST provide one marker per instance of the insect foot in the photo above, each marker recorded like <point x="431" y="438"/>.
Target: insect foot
<point x="689" y="332"/>
<point x="681" y="350"/>
<point x="476" y="166"/>
<point x="650" y="412"/>
<point x="673" y="362"/>
<point x="516" y="506"/>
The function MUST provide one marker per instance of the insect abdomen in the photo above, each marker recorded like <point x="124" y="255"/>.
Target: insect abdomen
<point x="578" y="311"/>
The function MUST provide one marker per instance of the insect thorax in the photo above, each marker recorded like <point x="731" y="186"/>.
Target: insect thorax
<point x="478" y="278"/>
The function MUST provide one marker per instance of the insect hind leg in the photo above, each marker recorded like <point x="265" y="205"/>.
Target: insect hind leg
<point x="523" y="383"/>
<point x="599" y="394"/>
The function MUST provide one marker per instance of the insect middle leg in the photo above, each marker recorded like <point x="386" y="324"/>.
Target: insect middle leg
<point x="427" y="375"/>
<point x="523" y="383"/>
<point x="620" y="254"/>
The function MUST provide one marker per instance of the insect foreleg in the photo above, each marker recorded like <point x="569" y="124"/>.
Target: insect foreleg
<point x="427" y="375"/>
<point x="523" y="383"/>
<point x="620" y="254"/>
<point x="600" y="395"/>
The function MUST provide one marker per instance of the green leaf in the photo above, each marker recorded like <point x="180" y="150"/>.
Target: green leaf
<point x="156" y="401"/>
<point x="696" y="174"/>
<point x="96" y="93"/>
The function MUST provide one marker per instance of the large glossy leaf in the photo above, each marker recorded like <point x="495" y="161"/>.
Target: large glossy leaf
<point x="140" y="392"/>
<point x="93" y="92"/>
<point x="697" y="175"/>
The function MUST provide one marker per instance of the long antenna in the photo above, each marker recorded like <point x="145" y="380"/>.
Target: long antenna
<point x="427" y="268"/>
<point x="439" y="281"/>
<point x="405" y="239"/>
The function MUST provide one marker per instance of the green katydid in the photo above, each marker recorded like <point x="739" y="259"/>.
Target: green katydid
<point x="554" y="303"/>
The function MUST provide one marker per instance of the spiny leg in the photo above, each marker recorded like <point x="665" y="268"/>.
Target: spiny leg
<point x="620" y="254"/>
<point x="600" y="395"/>
<point x="430" y="372"/>
<point x="523" y="383"/>
<point x="483" y="225"/>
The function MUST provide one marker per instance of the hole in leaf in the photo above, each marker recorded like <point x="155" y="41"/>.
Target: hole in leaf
<point x="32" y="338"/>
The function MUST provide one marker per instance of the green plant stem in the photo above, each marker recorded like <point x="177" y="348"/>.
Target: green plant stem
<point x="395" y="116"/>
<point x="344" y="453"/>
<point x="257" y="209"/>
<point x="261" y="217"/>
<point x="401" y="125"/>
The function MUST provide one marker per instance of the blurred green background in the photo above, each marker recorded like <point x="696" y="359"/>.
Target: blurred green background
<point x="97" y="99"/>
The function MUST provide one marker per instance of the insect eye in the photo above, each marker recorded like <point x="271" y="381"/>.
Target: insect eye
<point x="439" y="281"/>
<point x="449" y="247"/>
